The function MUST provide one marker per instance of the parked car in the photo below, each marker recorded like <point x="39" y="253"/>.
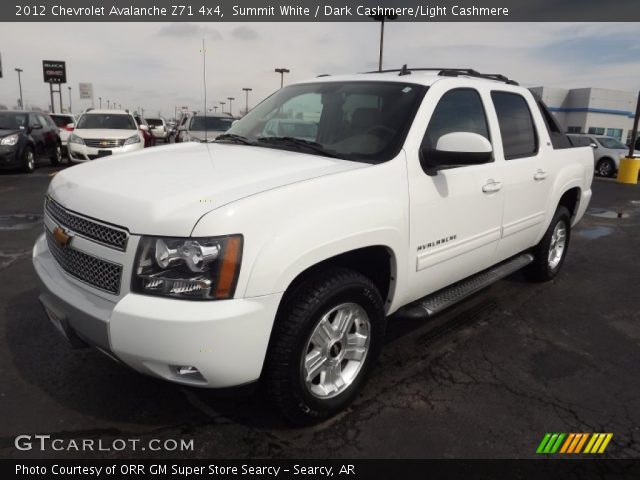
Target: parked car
<point x="27" y="137"/>
<point x="145" y="128"/>
<point x="159" y="128"/>
<point x="607" y="153"/>
<point x="280" y="259"/>
<point x="65" y="123"/>
<point x="197" y="128"/>
<point x="100" y="133"/>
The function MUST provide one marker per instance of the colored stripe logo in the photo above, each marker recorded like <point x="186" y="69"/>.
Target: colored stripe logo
<point x="572" y="443"/>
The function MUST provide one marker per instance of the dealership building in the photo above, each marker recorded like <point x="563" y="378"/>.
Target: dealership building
<point x="592" y="110"/>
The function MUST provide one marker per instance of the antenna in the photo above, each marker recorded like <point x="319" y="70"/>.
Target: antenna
<point x="204" y="83"/>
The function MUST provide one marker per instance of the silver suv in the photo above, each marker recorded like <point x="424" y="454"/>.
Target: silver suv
<point x="607" y="152"/>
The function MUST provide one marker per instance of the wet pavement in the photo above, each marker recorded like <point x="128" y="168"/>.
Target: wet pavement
<point x="485" y="379"/>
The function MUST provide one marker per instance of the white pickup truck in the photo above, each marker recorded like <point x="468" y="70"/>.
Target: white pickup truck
<point x="279" y="258"/>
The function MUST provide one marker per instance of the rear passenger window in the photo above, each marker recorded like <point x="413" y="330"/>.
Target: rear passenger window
<point x="518" y="134"/>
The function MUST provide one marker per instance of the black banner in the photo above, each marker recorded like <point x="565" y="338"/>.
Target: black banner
<point x="318" y="469"/>
<point x="319" y="11"/>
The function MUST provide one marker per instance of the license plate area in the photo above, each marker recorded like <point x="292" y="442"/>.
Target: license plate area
<point x="104" y="153"/>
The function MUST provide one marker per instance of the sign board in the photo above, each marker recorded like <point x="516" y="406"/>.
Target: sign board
<point x="86" y="91"/>
<point x="54" y="71"/>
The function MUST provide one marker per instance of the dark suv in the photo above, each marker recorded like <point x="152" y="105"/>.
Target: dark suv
<point x="25" y="137"/>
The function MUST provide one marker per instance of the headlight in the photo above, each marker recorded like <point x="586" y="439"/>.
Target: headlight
<point x="73" y="138"/>
<point x="10" y="139"/>
<point x="188" y="268"/>
<point x="132" y="139"/>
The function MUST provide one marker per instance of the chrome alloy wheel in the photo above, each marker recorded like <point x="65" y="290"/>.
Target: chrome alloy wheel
<point x="557" y="245"/>
<point x="336" y="350"/>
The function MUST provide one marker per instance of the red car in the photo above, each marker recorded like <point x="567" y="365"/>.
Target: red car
<point x="149" y="138"/>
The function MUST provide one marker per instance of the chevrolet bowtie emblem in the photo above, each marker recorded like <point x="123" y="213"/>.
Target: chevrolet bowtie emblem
<point x="62" y="238"/>
<point x="104" y="143"/>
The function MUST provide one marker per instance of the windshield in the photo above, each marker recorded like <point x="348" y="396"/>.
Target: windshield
<point x="154" y="122"/>
<point x="611" y="143"/>
<point x="220" y="124"/>
<point x="13" y="121"/>
<point x="365" y="121"/>
<point x="61" y="121"/>
<point x="107" y="121"/>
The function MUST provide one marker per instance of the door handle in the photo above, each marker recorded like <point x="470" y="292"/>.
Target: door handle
<point x="540" y="175"/>
<point x="491" y="186"/>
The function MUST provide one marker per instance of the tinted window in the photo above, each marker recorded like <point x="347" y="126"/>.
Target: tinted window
<point x="154" y="122"/>
<point x="459" y="110"/>
<point x="107" y="121"/>
<point x="220" y="124"/>
<point x="12" y="121"/>
<point x="61" y="121"/>
<point x="44" y="122"/>
<point x="518" y="134"/>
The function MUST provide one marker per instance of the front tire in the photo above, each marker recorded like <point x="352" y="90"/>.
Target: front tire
<point x="324" y="344"/>
<point x="606" y="168"/>
<point x="29" y="160"/>
<point x="550" y="253"/>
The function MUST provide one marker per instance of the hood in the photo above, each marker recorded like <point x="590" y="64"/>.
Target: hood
<point x="104" y="133"/>
<point x="6" y="132"/>
<point x="165" y="190"/>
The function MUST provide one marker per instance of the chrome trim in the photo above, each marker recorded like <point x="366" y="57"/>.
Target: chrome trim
<point x="87" y="227"/>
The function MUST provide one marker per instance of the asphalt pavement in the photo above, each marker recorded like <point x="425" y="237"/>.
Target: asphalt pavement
<point x="485" y="379"/>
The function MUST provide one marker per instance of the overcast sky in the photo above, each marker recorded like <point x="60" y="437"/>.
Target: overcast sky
<point x="159" y="65"/>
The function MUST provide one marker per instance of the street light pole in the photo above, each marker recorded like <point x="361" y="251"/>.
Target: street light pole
<point x="215" y="108"/>
<point x="222" y="104"/>
<point x="282" y="71"/>
<point x="69" y="99"/>
<point x="246" y="107"/>
<point x="19" y="70"/>
<point x="381" y="19"/>
<point x="100" y="99"/>
<point x="108" y="105"/>
<point x="231" y="99"/>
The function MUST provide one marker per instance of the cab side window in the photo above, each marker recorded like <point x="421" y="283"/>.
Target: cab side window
<point x="459" y="110"/>
<point x="519" y="138"/>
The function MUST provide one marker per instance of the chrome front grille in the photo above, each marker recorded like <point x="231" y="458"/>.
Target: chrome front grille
<point x="111" y="236"/>
<point x="104" y="142"/>
<point x="87" y="268"/>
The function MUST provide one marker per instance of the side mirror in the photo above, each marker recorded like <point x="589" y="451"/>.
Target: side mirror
<point x="37" y="126"/>
<point x="456" y="149"/>
<point x="593" y="145"/>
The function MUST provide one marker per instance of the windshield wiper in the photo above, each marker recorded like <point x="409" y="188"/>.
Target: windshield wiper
<point x="233" y="138"/>
<point x="299" y="142"/>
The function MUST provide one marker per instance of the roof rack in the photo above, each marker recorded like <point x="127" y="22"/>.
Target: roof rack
<point x="451" y="72"/>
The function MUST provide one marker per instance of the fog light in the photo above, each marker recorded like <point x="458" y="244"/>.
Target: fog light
<point x="188" y="371"/>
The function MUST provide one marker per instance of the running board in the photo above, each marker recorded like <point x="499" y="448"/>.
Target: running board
<point x="442" y="299"/>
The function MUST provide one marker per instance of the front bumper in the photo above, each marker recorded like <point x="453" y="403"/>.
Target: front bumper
<point x="9" y="156"/>
<point x="83" y="153"/>
<point x="225" y="340"/>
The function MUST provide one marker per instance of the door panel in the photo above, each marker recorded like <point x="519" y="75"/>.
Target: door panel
<point x="455" y="215"/>
<point x="527" y="173"/>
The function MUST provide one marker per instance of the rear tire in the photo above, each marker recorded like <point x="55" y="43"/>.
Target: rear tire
<point x="324" y="344"/>
<point x="56" y="158"/>
<point x="550" y="253"/>
<point x="606" y="168"/>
